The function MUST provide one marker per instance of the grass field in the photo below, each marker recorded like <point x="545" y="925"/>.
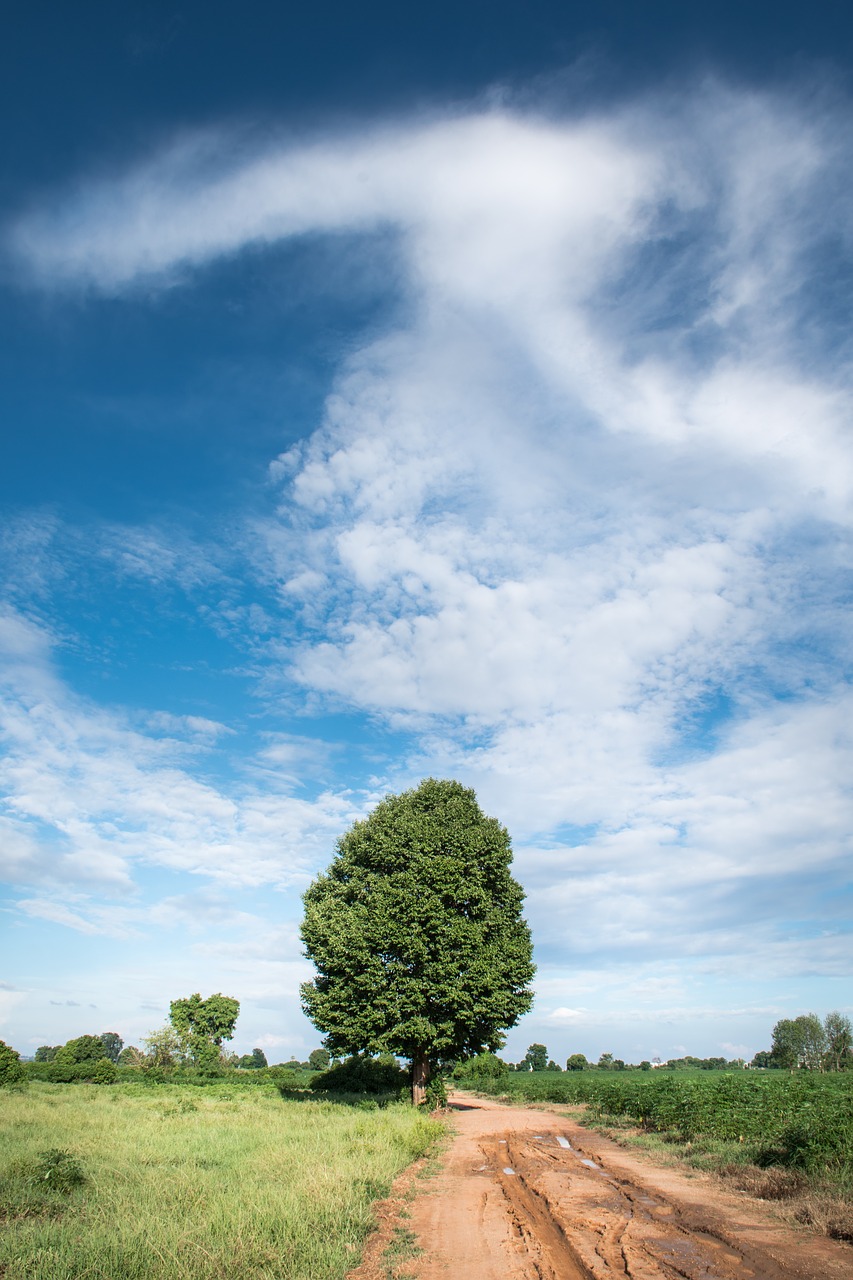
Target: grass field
<point x="177" y="1183"/>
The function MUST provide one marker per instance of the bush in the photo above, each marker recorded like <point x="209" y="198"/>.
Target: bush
<point x="11" y="1067"/>
<point x="362" y="1075"/>
<point x="104" y="1072"/>
<point x="101" y="1071"/>
<point x="435" y="1096"/>
<point x="58" y="1170"/>
<point x="486" y="1066"/>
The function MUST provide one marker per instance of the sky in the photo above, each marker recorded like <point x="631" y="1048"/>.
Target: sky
<point x="459" y="392"/>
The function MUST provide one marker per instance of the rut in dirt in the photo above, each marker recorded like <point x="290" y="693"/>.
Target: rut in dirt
<point x="579" y="1222"/>
<point x="524" y="1194"/>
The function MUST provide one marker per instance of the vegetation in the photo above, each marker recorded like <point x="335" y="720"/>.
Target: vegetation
<point x="807" y="1043"/>
<point x="417" y="935"/>
<point x="178" y="1183"/>
<point x="802" y="1121"/>
<point x="11" y="1067"/>
<point x="201" y="1026"/>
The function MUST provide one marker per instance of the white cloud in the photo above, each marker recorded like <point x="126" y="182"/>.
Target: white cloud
<point x="578" y="522"/>
<point x="88" y="797"/>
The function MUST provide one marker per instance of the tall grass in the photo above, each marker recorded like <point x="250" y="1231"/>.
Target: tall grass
<point x="184" y="1184"/>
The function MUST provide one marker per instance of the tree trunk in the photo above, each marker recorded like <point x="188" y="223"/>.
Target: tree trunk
<point x="420" y="1075"/>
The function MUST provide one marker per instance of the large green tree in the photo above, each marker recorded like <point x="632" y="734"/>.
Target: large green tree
<point x="417" y="934"/>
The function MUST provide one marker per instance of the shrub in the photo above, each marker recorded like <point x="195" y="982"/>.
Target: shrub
<point x="435" y="1096"/>
<point x="362" y="1075"/>
<point x="486" y="1066"/>
<point x="59" y="1170"/>
<point x="11" y="1067"/>
<point x="104" y="1072"/>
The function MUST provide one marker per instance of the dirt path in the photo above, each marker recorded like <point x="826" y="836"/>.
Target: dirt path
<point x="530" y="1195"/>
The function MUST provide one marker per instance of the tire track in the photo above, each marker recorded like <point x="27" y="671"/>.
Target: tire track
<point x="528" y="1195"/>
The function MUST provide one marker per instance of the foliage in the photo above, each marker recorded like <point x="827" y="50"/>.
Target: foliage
<point x="131" y="1056"/>
<point x="164" y="1046"/>
<point x="435" y="1094"/>
<point x="254" y="1061"/>
<point x="416" y="932"/>
<point x="799" y="1042"/>
<point x="362" y="1074"/>
<point x="839" y="1041"/>
<point x="537" y="1057"/>
<point x="46" y="1052"/>
<point x="57" y="1170"/>
<point x="803" y="1121"/>
<point x="576" y="1062"/>
<point x="11" y="1067"/>
<point x="319" y="1059"/>
<point x="113" y="1045"/>
<point x="81" y="1049"/>
<point x="202" y="1025"/>
<point x="482" y="1067"/>
<point x="104" y="1072"/>
<point x="100" y="1071"/>
<point x="221" y="1179"/>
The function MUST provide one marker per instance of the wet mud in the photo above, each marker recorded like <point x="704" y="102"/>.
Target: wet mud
<point x="526" y="1194"/>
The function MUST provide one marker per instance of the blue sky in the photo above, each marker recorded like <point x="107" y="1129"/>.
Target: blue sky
<point x="463" y="392"/>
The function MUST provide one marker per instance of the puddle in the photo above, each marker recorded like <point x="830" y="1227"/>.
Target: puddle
<point x="590" y="1164"/>
<point x="509" y="1171"/>
<point x="564" y="1142"/>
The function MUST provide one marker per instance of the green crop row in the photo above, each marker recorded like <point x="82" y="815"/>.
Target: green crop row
<point x="801" y="1120"/>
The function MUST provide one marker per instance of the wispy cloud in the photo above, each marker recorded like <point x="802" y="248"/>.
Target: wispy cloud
<point x="576" y="521"/>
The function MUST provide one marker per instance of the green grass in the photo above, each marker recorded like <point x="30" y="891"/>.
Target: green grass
<point x="188" y="1184"/>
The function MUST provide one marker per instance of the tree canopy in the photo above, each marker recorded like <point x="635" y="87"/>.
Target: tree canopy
<point x="416" y="933"/>
<point x="202" y="1025"/>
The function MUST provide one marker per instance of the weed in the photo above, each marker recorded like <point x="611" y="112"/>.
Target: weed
<point x="57" y="1170"/>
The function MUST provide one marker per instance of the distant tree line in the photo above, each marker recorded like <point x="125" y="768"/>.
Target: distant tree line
<point x="192" y="1039"/>
<point x="803" y="1043"/>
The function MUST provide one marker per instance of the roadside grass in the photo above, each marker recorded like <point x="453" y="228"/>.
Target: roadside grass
<point x="808" y="1199"/>
<point x="173" y="1183"/>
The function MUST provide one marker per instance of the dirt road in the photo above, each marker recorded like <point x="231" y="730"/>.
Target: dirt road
<point x="529" y="1195"/>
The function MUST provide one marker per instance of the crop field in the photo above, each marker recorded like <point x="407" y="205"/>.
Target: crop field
<point x="801" y="1121"/>
<point x="178" y="1183"/>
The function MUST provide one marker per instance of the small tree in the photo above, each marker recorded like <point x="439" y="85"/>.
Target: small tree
<point x="202" y="1025"/>
<point x="163" y="1047"/>
<point x="537" y="1056"/>
<point x="113" y="1045"/>
<point x="318" y="1059"/>
<point x="576" y="1062"/>
<point x="839" y="1040"/>
<point x="46" y="1052"/>
<point x="417" y="935"/>
<point x="800" y="1042"/>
